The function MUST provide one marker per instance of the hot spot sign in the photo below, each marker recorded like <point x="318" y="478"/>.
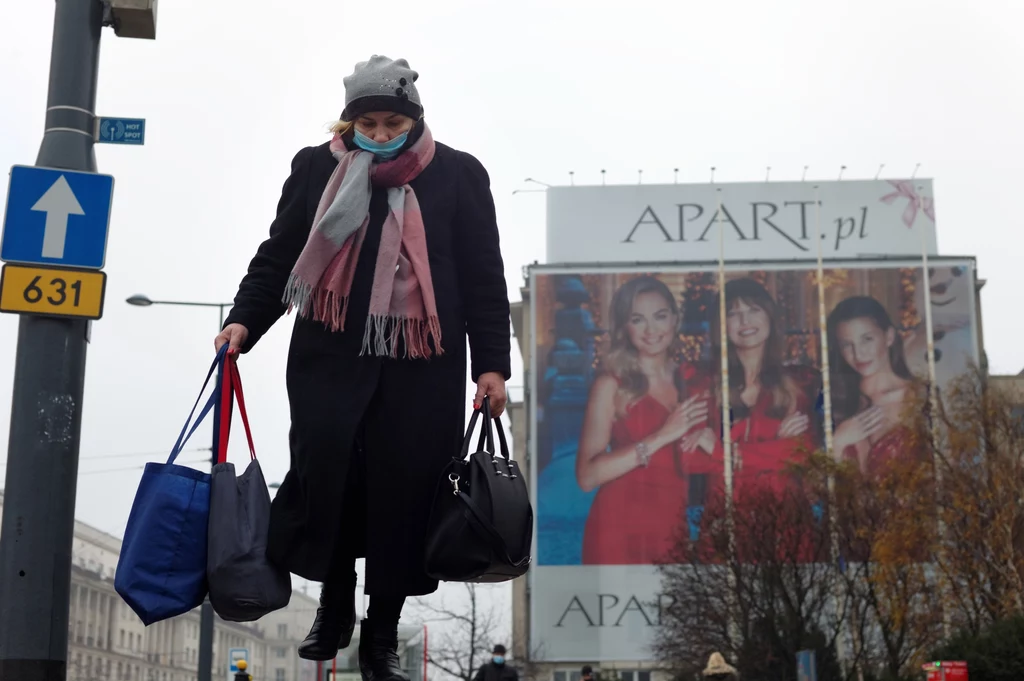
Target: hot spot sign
<point x="946" y="671"/>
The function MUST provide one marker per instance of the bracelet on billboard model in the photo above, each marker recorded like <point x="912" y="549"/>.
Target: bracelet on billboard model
<point x="643" y="454"/>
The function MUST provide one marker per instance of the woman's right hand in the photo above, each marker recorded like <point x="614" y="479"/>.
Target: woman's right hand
<point x="234" y="335"/>
<point x="687" y="416"/>
<point x="795" y="424"/>
<point x="703" y="438"/>
<point x="860" y="427"/>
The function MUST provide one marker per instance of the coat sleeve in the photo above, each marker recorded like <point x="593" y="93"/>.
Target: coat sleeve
<point x="258" y="303"/>
<point x="481" y="273"/>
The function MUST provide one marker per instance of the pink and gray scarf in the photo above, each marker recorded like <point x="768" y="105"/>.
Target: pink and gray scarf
<point x="402" y="305"/>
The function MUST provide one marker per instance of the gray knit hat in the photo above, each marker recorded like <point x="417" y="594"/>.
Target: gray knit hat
<point x="382" y="84"/>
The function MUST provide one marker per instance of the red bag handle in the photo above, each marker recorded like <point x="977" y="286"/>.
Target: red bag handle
<point x="231" y="387"/>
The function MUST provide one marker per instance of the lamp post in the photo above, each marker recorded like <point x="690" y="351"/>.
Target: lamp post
<point x="140" y="300"/>
<point x="206" y="612"/>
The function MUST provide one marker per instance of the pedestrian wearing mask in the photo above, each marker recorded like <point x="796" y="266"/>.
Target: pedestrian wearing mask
<point x="386" y="246"/>
<point x="498" y="668"/>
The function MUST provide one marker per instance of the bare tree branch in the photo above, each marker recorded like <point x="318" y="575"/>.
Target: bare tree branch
<point x="470" y="630"/>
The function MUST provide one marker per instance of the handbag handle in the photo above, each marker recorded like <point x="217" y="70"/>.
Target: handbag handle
<point x="486" y="436"/>
<point x="502" y="442"/>
<point x="183" y="438"/>
<point x="231" y="389"/>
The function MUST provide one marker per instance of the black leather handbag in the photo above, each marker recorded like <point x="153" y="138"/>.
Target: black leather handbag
<point x="481" y="522"/>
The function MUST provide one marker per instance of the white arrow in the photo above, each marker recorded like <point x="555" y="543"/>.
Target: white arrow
<point x="58" y="203"/>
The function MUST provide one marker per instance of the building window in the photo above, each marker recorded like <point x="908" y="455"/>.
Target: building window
<point x="282" y="631"/>
<point x="566" y="675"/>
<point x="634" y="675"/>
<point x="281" y="652"/>
<point x="279" y="675"/>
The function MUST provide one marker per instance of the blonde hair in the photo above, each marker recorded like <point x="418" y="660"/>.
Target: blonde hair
<point x="341" y="127"/>
<point x="622" y="360"/>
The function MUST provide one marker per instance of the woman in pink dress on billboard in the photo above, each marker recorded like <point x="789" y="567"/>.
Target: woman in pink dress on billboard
<point x="770" y="403"/>
<point x="871" y="384"/>
<point x="634" y="419"/>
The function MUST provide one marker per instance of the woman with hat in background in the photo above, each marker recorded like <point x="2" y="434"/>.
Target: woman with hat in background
<point x="386" y="246"/>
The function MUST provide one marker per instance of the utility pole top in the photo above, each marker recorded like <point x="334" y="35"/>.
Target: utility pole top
<point x="132" y="18"/>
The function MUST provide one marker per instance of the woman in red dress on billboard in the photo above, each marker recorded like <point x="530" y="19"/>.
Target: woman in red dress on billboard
<point x="871" y="384"/>
<point x="634" y="420"/>
<point x="770" y="403"/>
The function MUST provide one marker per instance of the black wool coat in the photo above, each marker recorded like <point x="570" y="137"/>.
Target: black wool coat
<point x="370" y="436"/>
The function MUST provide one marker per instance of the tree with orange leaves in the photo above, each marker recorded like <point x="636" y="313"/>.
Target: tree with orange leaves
<point x="978" y="439"/>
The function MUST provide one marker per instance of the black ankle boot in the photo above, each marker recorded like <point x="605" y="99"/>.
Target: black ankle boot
<point x="334" y="624"/>
<point x="378" y="653"/>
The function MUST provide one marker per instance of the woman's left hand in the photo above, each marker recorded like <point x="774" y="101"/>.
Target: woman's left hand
<point x="492" y="385"/>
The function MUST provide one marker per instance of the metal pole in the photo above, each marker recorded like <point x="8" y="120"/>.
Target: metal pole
<point x="46" y="413"/>
<point x="206" y="642"/>
<point x="206" y="616"/>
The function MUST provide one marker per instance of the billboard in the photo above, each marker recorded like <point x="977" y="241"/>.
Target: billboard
<point x="764" y="221"/>
<point x="626" y="448"/>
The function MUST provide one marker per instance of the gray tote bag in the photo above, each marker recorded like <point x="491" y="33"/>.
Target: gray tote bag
<point x="244" y="584"/>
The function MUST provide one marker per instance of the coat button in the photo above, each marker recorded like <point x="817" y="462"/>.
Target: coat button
<point x="402" y="81"/>
<point x="399" y="92"/>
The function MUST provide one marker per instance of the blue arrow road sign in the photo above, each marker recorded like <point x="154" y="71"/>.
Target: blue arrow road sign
<point x="57" y="217"/>
<point x="121" y="130"/>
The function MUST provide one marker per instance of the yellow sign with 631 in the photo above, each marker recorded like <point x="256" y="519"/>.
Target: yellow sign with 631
<point x="52" y="292"/>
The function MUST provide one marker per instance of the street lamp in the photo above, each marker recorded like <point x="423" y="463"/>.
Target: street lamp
<point x="206" y="612"/>
<point x="140" y="300"/>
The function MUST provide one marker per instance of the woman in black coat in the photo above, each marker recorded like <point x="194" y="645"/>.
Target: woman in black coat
<point x="386" y="246"/>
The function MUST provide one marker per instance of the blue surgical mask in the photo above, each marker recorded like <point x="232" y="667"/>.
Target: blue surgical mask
<point x="382" y="150"/>
<point x="498" y="659"/>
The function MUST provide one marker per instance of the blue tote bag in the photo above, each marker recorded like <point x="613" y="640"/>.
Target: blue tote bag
<point x="161" y="572"/>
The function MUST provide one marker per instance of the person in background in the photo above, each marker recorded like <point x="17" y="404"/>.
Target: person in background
<point x="587" y="673"/>
<point x="720" y="670"/>
<point x="386" y="246"/>
<point x="497" y="669"/>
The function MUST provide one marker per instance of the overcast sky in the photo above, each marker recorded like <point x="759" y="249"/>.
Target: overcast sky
<point x="534" y="88"/>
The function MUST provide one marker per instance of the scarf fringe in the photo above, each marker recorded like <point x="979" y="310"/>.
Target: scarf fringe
<point x="383" y="333"/>
<point x="298" y="295"/>
<point x="318" y="304"/>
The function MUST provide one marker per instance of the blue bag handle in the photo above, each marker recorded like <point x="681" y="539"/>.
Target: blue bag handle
<point x="218" y="362"/>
